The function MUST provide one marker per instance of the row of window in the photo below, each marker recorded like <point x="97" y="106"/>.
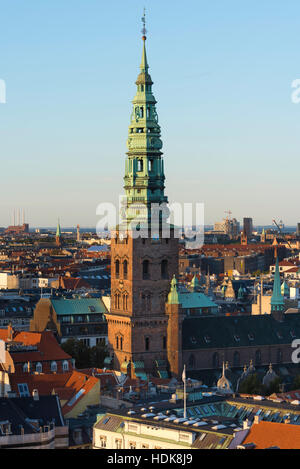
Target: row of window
<point x="124" y="269"/>
<point x="119" y="343"/>
<point x="39" y="367"/>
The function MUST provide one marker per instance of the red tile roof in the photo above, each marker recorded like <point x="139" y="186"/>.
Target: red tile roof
<point x="269" y="434"/>
<point x="48" y="348"/>
<point x="65" y="385"/>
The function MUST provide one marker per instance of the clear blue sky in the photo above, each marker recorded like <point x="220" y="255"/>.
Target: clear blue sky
<point x="222" y="72"/>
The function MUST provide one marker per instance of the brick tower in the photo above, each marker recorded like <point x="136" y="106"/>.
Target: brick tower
<point x="143" y="258"/>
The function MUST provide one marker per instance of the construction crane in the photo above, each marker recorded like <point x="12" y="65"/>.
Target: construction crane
<point x="229" y="213"/>
<point x="280" y="231"/>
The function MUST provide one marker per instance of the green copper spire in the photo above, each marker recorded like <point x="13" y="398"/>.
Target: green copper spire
<point x="195" y="284"/>
<point x="144" y="170"/>
<point x="58" y="230"/>
<point x="277" y="300"/>
<point x="173" y="298"/>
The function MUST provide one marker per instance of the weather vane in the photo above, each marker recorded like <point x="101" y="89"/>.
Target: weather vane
<point x="144" y="30"/>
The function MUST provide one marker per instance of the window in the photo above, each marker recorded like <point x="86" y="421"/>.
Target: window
<point x="118" y="444"/>
<point x="258" y="357"/>
<point x="102" y="441"/>
<point x="236" y="359"/>
<point x="147" y="343"/>
<point x="140" y="165"/>
<point x="125" y="302"/>
<point x="117" y="268"/>
<point x="38" y="367"/>
<point x="164" y="342"/>
<point x="146" y="270"/>
<point x="132" y="445"/>
<point x="65" y="365"/>
<point x="23" y="390"/>
<point x="125" y="269"/>
<point x="26" y="368"/>
<point x="117" y="301"/>
<point x="53" y="367"/>
<point x="164" y="269"/>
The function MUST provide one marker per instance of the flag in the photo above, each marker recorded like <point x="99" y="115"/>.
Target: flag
<point x="183" y="374"/>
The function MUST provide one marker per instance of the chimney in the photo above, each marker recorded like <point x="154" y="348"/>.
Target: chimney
<point x="246" y="424"/>
<point x="35" y="395"/>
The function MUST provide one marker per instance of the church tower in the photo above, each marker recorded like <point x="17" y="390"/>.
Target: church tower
<point x="277" y="300"/>
<point x="143" y="260"/>
<point x="58" y="240"/>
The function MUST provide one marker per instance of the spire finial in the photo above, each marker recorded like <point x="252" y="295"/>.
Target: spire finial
<point x="144" y="30"/>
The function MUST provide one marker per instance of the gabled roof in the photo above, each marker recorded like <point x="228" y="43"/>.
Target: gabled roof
<point x="70" y="386"/>
<point x="47" y="347"/>
<point x="18" y="410"/>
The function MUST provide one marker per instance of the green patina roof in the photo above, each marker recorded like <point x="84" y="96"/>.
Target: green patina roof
<point x="58" y="229"/>
<point x="78" y="306"/>
<point x="173" y="298"/>
<point x="242" y="331"/>
<point x="195" y="283"/>
<point x="195" y="300"/>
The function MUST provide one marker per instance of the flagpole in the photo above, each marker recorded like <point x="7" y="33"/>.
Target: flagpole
<point x="184" y="392"/>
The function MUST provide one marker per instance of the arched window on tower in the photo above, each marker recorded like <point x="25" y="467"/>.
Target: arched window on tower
<point x="117" y="268"/>
<point x="141" y="112"/>
<point x="125" y="269"/>
<point x="125" y="302"/>
<point x="147" y="343"/>
<point x="117" y="301"/>
<point x="140" y="165"/>
<point x="150" y="165"/>
<point x="164" y="269"/>
<point x="146" y="270"/>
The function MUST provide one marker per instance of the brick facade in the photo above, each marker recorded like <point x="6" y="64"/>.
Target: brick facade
<point x="140" y="281"/>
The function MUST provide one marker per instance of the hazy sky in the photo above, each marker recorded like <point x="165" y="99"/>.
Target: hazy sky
<point x="222" y="72"/>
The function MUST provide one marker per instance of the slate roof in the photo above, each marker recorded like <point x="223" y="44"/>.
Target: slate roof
<point x="17" y="410"/>
<point x="239" y="331"/>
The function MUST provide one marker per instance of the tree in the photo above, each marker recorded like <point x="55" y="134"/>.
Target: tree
<point x="86" y="357"/>
<point x="79" y="351"/>
<point x="251" y="385"/>
<point x="296" y="383"/>
<point x="98" y="354"/>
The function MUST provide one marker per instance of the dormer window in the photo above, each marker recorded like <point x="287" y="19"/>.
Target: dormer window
<point x="207" y="339"/>
<point x="237" y="338"/>
<point x="193" y="340"/>
<point x="250" y="336"/>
